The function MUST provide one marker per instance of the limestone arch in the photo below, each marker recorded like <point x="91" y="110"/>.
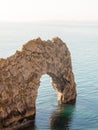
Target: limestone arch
<point x="20" y="78"/>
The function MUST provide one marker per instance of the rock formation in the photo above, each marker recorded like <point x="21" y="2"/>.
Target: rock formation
<point x="20" y="78"/>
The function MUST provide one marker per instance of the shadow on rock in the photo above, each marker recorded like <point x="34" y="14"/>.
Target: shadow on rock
<point x="62" y="117"/>
<point x="29" y="126"/>
<point x="24" y="124"/>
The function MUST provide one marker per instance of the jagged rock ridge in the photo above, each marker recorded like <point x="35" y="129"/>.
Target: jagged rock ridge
<point x="20" y="78"/>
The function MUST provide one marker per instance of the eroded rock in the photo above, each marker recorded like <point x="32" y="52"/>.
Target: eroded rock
<point x="20" y="78"/>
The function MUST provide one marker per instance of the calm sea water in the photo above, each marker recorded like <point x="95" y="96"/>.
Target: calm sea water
<point x="82" y="40"/>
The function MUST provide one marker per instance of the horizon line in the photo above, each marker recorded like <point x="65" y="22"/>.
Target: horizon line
<point x="52" y="21"/>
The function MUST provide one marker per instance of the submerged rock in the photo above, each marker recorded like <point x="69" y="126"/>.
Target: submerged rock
<point x="20" y="78"/>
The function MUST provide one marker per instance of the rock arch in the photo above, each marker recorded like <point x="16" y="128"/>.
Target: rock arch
<point x="20" y="78"/>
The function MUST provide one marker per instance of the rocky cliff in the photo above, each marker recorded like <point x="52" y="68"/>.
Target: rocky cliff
<point x="20" y="78"/>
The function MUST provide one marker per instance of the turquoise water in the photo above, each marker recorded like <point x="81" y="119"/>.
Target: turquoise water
<point x="82" y="40"/>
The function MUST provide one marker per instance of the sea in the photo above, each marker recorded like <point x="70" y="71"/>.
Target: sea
<point x="82" y="41"/>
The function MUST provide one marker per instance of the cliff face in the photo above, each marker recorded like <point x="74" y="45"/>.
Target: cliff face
<point x="20" y="78"/>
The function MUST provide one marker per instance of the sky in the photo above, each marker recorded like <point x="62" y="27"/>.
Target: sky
<point x="48" y="10"/>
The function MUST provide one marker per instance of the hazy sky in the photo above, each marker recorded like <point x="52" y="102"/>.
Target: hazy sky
<point x="37" y="10"/>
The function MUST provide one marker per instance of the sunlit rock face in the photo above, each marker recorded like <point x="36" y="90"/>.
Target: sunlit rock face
<point x="20" y="78"/>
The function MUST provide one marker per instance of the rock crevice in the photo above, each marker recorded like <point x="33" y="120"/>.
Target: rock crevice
<point x="20" y="78"/>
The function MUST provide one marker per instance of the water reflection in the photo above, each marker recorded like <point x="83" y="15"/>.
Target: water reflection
<point x="61" y="118"/>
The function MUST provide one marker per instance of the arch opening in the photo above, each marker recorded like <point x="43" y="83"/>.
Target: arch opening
<point x="46" y="91"/>
<point x="46" y="102"/>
